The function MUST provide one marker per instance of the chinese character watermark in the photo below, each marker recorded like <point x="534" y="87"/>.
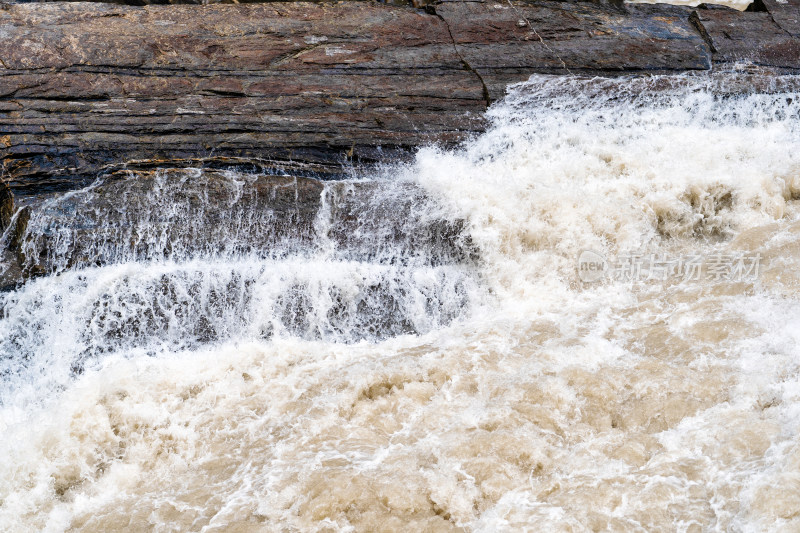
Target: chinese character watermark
<point x="637" y="267"/>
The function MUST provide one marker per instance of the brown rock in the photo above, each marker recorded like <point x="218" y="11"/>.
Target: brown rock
<point x="752" y="37"/>
<point x="505" y="43"/>
<point x="90" y="85"/>
<point x="785" y="13"/>
<point x="89" y="88"/>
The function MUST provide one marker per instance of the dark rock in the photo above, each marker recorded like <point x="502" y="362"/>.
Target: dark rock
<point x="754" y="37"/>
<point x="718" y="7"/>
<point x="785" y="13"/>
<point x="191" y="213"/>
<point x="6" y="206"/>
<point x="381" y="223"/>
<point x="11" y="258"/>
<point x="167" y="214"/>
<point x="506" y="43"/>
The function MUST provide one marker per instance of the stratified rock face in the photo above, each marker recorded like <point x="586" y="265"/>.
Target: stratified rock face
<point x="204" y="2"/>
<point x="505" y="42"/>
<point x="86" y="87"/>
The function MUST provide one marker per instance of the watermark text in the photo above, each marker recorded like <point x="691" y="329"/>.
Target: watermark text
<point x="637" y="267"/>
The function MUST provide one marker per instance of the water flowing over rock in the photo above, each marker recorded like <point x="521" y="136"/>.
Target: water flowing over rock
<point x="241" y="290"/>
<point x="190" y="214"/>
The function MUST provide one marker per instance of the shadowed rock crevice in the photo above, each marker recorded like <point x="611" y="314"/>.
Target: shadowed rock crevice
<point x="6" y="206"/>
<point x="756" y="5"/>
<point x="431" y="9"/>
<point x="698" y="24"/>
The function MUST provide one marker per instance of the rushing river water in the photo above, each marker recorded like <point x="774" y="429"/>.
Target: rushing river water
<point x="421" y="348"/>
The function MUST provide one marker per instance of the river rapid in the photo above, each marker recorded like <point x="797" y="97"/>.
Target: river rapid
<point x="585" y="319"/>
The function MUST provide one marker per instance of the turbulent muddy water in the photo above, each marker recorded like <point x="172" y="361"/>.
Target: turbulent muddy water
<point x="419" y="348"/>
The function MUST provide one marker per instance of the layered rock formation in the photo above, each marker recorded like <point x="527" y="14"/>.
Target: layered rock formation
<point x="505" y="43"/>
<point x="91" y="85"/>
<point x="88" y="88"/>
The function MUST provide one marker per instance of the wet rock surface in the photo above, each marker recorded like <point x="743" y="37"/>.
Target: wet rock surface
<point x="191" y="214"/>
<point x="177" y="214"/>
<point x="396" y="224"/>
<point x="505" y="43"/>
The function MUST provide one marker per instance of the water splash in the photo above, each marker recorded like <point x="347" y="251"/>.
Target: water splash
<point x="145" y="263"/>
